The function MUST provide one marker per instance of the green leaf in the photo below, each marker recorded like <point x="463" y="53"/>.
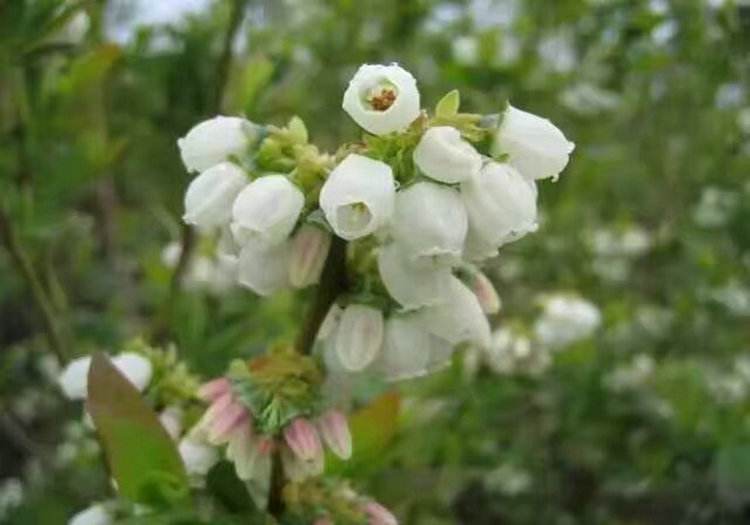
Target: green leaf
<point x="372" y="427"/>
<point x="142" y="457"/>
<point x="90" y="69"/>
<point x="733" y="474"/>
<point x="448" y="105"/>
<point x="298" y="129"/>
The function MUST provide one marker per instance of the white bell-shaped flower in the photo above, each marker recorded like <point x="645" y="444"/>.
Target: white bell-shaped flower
<point x="444" y="156"/>
<point x="216" y="140"/>
<point x="358" y="196"/>
<point x="198" y="457"/>
<point x="430" y="222"/>
<point x="209" y="198"/>
<point x="267" y="209"/>
<point x="382" y="99"/>
<point x="501" y="204"/>
<point x="96" y="514"/>
<point x="478" y="249"/>
<point x="535" y="146"/>
<point x="410" y="284"/>
<point x="359" y="337"/>
<point x="310" y="247"/>
<point x="136" y="368"/>
<point x="264" y="268"/>
<point x="459" y="318"/>
<point x="410" y="351"/>
<point x="73" y="379"/>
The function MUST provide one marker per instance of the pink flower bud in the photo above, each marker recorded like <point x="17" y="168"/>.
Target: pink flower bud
<point x="225" y="422"/>
<point x="335" y="431"/>
<point x="486" y="294"/>
<point x="214" y="389"/>
<point x="302" y="438"/>
<point x="378" y="514"/>
<point x="310" y="247"/>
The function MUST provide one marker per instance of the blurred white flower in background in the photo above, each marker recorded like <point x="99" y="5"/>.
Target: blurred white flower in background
<point x="11" y="496"/>
<point x="557" y="51"/>
<point x="734" y="296"/>
<point x="729" y="95"/>
<point x="632" y="375"/>
<point x="512" y="352"/>
<point x="589" y="99"/>
<point x="715" y="208"/>
<point x="465" y="50"/>
<point x="565" y="320"/>
<point x="733" y="385"/>
<point x="615" y="249"/>
<point x="508" y="479"/>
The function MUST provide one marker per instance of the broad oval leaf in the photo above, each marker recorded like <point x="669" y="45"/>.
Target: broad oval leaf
<point x="142" y="457"/>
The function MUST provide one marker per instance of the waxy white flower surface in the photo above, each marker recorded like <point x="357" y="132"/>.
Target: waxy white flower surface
<point x="216" y="140"/>
<point x="267" y="209"/>
<point x="430" y="222"/>
<point x="358" y="196"/>
<point x="534" y="146"/>
<point x="74" y="378"/>
<point x="444" y="156"/>
<point x="359" y="337"/>
<point x="382" y="99"/>
<point x="264" y="268"/>
<point x="409" y="350"/>
<point x="209" y="198"/>
<point x="198" y="457"/>
<point x="501" y="204"/>
<point x="459" y="318"/>
<point x="410" y="284"/>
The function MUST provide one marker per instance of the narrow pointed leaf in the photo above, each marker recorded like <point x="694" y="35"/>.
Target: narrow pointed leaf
<point x="448" y="105"/>
<point x="142" y="458"/>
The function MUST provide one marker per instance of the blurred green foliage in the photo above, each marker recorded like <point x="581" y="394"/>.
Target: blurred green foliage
<point x="655" y="95"/>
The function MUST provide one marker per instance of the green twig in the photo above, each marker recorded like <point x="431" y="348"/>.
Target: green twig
<point x="23" y="264"/>
<point x="332" y="284"/>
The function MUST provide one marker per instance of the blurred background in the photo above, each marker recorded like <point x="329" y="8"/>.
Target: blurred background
<point x="635" y="411"/>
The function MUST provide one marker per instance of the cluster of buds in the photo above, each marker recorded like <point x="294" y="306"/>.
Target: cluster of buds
<point x="329" y="502"/>
<point x="270" y="405"/>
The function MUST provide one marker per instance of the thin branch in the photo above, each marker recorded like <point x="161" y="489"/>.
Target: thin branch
<point x="187" y="241"/>
<point x="332" y="284"/>
<point x="23" y="264"/>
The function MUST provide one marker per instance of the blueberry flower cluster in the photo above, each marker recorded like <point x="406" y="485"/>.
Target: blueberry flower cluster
<point x="421" y="202"/>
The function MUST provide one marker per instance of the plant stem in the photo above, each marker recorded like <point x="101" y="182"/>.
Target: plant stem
<point x="188" y="235"/>
<point x="23" y="264"/>
<point x="332" y="284"/>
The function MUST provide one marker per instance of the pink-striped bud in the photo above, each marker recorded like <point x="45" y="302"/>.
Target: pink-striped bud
<point x="214" y="389"/>
<point x="310" y="247"/>
<point x="378" y="514"/>
<point x="335" y="431"/>
<point x="302" y="438"/>
<point x="225" y="422"/>
<point x="486" y="294"/>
